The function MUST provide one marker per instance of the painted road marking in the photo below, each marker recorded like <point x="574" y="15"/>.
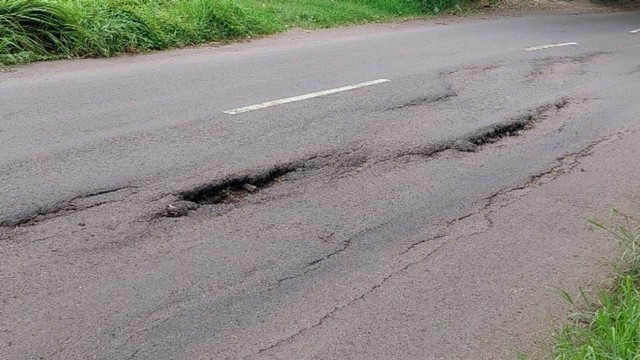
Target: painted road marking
<point x="635" y="31"/>
<point x="304" y="97"/>
<point x="542" y="47"/>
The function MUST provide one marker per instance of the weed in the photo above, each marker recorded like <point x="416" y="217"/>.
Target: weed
<point x="607" y="325"/>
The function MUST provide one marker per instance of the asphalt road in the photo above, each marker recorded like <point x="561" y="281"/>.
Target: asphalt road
<point x="420" y="216"/>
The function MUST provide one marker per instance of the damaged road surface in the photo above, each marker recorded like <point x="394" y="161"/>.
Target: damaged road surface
<point x="424" y="217"/>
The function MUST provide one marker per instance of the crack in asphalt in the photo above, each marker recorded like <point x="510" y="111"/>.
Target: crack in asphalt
<point x="64" y="208"/>
<point x="416" y="244"/>
<point x="336" y="309"/>
<point x="404" y="268"/>
<point x="565" y="165"/>
<point x="156" y="323"/>
<point x="315" y="264"/>
<point x="424" y="100"/>
<point x="133" y="355"/>
<point x="474" y="69"/>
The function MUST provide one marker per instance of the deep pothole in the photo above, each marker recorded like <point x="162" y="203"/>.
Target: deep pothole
<point x="236" y="188"/>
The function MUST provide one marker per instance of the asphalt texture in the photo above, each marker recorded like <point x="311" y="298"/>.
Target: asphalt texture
<point x="421" y="218"/>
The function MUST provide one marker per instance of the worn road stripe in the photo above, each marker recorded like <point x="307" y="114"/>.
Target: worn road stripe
<point x="635" y="31"/>
<point x="304" y="97"/>
<point x="542" y="47"/>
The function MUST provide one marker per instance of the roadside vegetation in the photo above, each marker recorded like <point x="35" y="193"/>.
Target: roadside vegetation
<point x="607" y="324"/>
<point x="49" y="29"/>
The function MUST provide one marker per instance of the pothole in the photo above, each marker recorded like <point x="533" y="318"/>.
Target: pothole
<point x="236" y="188"/>
<point x="490" y="134"/>
<point x="514" y="127"/>
<point x="494" y="134"/>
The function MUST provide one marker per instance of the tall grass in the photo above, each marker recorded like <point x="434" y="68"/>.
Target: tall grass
<point x="107" y="28"/>
<point x="46" y="29"/>
<point x="34" y="29"/>
<point x="608" y="325"/>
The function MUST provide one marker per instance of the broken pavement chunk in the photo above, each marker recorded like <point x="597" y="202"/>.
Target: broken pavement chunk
<point x="180" y="208"/>
<point x="249" y="187"/>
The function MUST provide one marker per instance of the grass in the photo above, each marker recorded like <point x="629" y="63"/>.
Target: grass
<point x="607" y="325"/>
<point x="33" y="30"/>
<point x="49" y="29"/>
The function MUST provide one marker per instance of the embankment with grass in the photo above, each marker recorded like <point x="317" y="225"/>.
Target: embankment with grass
<point x="606" y="325"/>
<point x="49" y="29"/>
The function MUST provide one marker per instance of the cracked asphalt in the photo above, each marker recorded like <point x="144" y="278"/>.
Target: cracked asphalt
<point x="425" y="217"/>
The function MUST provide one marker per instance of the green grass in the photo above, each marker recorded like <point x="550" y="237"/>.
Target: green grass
<point x="34" y="30"/>
<point x="49" y="29"/>
<point x="608" y="326"/>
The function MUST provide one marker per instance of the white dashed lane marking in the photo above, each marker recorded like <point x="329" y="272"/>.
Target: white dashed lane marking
<point x="548" y="46"/>
<point x="304" y="97"/>
<point x="635" y="31"/>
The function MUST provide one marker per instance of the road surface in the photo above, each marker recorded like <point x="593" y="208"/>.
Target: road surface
<point x="386" y="191"/>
